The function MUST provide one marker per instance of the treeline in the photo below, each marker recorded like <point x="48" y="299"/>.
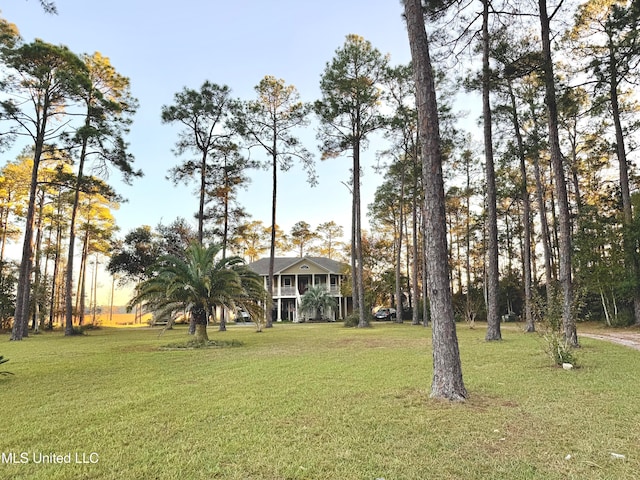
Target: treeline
<point x="74" y="112"/>
<point x="132" y="258"/>
<point x="540" y="217"/>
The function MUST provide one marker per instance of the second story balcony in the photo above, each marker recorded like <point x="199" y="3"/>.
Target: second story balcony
<point x="291" y="291"/>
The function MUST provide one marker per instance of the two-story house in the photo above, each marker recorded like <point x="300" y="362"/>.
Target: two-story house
<point x="294" y="275"/>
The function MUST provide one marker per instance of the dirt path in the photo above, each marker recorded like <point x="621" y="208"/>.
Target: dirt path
<point x="627" y="339"/>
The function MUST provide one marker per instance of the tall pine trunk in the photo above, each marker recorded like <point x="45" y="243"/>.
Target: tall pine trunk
<point x="564" y="220"/>
<point x="447" y="370"/>
<point x="493" y="282"/>
<point x="203" y="193"/>
<point x="38" y="298"/>
<point x="68" y="328"/>
<point x="631" y="260"/>
<point x="23" y="294"/>
<point x="526" y="216"/>
<point x="415" y="290"/>
<point x="354" y="277"/>
<point x="363" y="320"/>
<point x="272" y="251"/>
<point x="82" y="287"/>
<point x="399" y="253"/>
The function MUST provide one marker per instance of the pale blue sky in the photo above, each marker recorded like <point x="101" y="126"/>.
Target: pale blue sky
<point x="164" y="46"/>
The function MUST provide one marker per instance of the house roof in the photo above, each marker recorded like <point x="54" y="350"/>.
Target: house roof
<point x="261" y="266"/>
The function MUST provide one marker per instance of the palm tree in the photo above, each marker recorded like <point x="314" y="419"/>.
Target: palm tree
<point x="199" y="283"/>
<point x="317" y="300"/>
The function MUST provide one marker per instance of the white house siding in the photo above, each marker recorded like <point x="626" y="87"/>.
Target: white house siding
<point x="295" y="276"/>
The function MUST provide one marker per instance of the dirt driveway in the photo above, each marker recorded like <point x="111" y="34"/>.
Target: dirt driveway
<point x="628" y="339"/>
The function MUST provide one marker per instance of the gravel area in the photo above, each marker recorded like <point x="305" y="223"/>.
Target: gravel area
<point x="628" y="339"/>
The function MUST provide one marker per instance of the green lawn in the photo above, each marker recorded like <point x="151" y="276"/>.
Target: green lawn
<point x="314" y="401"/>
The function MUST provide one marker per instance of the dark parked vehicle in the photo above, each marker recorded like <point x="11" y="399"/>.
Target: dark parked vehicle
<point x="385" y="314"/>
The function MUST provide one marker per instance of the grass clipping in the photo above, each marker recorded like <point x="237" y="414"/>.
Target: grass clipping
<point x="193" y="344"/>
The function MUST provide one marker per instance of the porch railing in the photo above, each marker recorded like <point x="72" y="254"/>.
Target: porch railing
<point x="290" y="291"/>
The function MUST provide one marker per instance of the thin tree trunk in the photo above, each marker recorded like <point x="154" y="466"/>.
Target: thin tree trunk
<point x="631" y="260"/>
<point x="42" y="320"/>
<point x="493" y="283"/>
<point x="113" y="289"/>
<point x="450" y="250"/>
<point x="272" y="251"/>
<point x="83" y="276"/>
<point x="555" y="244"/>
<point x="469" y="313"/>
<point x="447" y="370"/>
<point x="399" y="253"/>
<point x="415" y="317"/>
<point x="56" y="263"/>
<point x="227" y="188"/>
<point x="565" y="255"/>
<point x="68" y="329"/>
<point x="526" y="217"/>
<point x="573" y="135"/>
<point x="604" y="308"/>
<point x="544" y="231"/>
<point x="94" y="291"/>
<point x="37" y="267"/>
<point x="426" y="308"/>
<point x="23" y="293"/>
<point x="203" y="192"/>
<point x="363" y="317"/>
<point x="407" y="266"/>
<point x="354" y="276"/>
<point x="458" y="264"/>
<point x="225" y="239"/>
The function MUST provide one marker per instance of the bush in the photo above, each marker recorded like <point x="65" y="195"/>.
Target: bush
<point x="78" y="330"/>
<point x="352" y="320"/>
<point x="551" y="330"/>
<point x="558" y="348"/>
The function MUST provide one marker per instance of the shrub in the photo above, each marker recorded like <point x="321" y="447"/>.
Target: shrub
<point x="558" y="348"/>
<point x="551" y="330"/>
<point x="352" y="320"/>
<point x="78" y="330"/>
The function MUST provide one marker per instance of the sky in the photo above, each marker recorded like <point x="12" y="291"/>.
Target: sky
<point x="163" y="47"/>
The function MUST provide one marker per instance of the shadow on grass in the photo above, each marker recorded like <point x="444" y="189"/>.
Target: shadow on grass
<point x="192" y="344"/>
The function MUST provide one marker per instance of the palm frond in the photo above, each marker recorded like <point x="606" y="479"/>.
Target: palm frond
<point x="200" y="279"/>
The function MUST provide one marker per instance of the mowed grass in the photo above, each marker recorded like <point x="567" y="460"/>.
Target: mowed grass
<point x="314" y="401"/>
